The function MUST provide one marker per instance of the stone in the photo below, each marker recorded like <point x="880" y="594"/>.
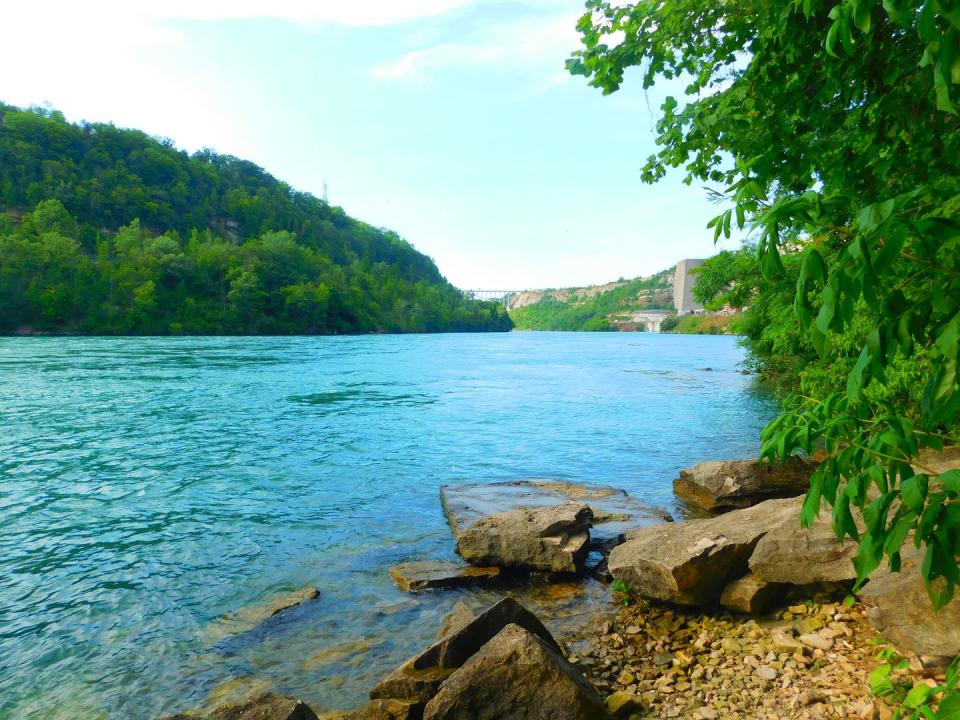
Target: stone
<point x="425" y="575"/>
<point x="624" y="704"/>
<point x="783" y="642"/>
<point x="268" y="706"/>
<point x="790" y="553"/>
<point x="690" y="562"/>
<point x="816" y="641"/>
<point x="419" y="678"/>
<point x="460" y="616"/>
<point x="765" y="672"/>
<point x="614" y="511"/>
<point x="517" y="675"/>
<point x="249" y="617"/>
<point x="751" y="595"/>
<point x="901" y="611"/>
<point x="549" y="539"/>
<point x="723" y="485"/>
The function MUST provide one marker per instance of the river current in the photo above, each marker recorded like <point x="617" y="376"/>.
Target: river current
<point x="148" y="486"/>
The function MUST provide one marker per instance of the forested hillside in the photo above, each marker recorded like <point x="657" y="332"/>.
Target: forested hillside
<point x="592" y="310"/>
<point x="111" y="231"/>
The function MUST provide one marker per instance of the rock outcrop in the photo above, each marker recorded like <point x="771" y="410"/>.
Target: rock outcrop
<point x="690" y="562"/>
<point x="517" y="675"/>
<point x="427" y="574"/>
<point x="901" y="611"/>
<point x="550" y="539"/>
<point x="730" y="484"/>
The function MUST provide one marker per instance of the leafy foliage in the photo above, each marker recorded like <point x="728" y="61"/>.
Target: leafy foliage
<point x="126" y="234"/>
<point x="833" y="129"/>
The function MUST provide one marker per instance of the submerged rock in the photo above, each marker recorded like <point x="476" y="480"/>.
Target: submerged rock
<point x="249" y="617"/>
<point x="264" y="707"/>
<point x="427" y="574"/>
<point x="690" y="562"/>
<point x="550" y="539"/>
<point x="729" y="484"/>
<point x="614" y="511"/>
<point x="517" y="675"/>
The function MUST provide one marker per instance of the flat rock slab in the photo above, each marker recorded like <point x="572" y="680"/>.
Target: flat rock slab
<point x="426" y="575"/>
<point x="614" y="511"/>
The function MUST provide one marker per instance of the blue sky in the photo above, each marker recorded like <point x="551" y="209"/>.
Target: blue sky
<point x="452" y="122"/>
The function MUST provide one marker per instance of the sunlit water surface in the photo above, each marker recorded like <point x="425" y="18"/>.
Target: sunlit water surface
<point x="150" y="485"/>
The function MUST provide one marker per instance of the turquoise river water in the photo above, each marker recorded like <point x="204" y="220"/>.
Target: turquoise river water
<point x="148" y="486"/>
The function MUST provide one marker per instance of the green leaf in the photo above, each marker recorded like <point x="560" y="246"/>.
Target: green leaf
<point x="856" y="376"/>
<point x="950" y="481"/>
<point x="914" y="492"/>
<point x="949" y="708"/>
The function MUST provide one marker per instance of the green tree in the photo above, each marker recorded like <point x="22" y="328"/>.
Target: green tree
<point x="831" y="127"/>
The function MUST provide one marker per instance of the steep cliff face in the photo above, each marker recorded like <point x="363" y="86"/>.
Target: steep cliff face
<point x="595" y="307"/>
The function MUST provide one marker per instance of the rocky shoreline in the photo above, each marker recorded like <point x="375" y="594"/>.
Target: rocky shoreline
<point x="741" y="615"/>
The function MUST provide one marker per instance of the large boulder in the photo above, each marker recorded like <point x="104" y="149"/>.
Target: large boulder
<point x="901" y="611"/>
<point x="614" y="511"/>
<point x="516" y="676"/>
<point x="459" y="616"/>
<point x="428" y="574"/>
<point x="690" y="562"/>
<point x="549" y="539"/>
<point x="791" y="553"/>
<point x="729" y="484"/>
<point x="265" y="707"/>
<point x="419" y="678"/>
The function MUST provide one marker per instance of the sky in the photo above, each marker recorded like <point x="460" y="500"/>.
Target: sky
<point x="452" y="122"/>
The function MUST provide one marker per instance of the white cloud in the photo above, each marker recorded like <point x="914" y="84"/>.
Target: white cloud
<point x="536" y="45"/>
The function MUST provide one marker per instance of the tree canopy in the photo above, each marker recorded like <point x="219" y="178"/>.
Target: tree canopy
<point x="110" y="231"/>
<point x="831" y="130"/>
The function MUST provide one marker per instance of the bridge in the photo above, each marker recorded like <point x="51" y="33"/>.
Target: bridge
<point x="650" y="319"/>
<point x="500" y="296"/>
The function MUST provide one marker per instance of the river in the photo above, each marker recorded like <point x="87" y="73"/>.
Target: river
<point x="148" y="486"/>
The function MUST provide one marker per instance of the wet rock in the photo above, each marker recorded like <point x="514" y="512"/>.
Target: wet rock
<point x="729" y="484"/>
<point x="516" y="675"/>
<point x="901" y="611"/>
<point x="614" y="511"/>
<point x="419" y="678"/>
<point x="249" y="617"/>
<point x="751" y="595"/>
<point x="424" y="575"/>
<point x="265" y="707"/>
<point x="460" y="616"/>
<point x="389" y="709"/>
<point x="690" y="562"/>
<point x="551" y="539"/>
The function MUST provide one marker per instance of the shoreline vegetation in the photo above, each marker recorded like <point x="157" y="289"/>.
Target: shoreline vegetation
<point x="105" y="231"/>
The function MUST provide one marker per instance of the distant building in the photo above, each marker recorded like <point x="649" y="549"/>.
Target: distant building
<point x="683" y="282"/>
